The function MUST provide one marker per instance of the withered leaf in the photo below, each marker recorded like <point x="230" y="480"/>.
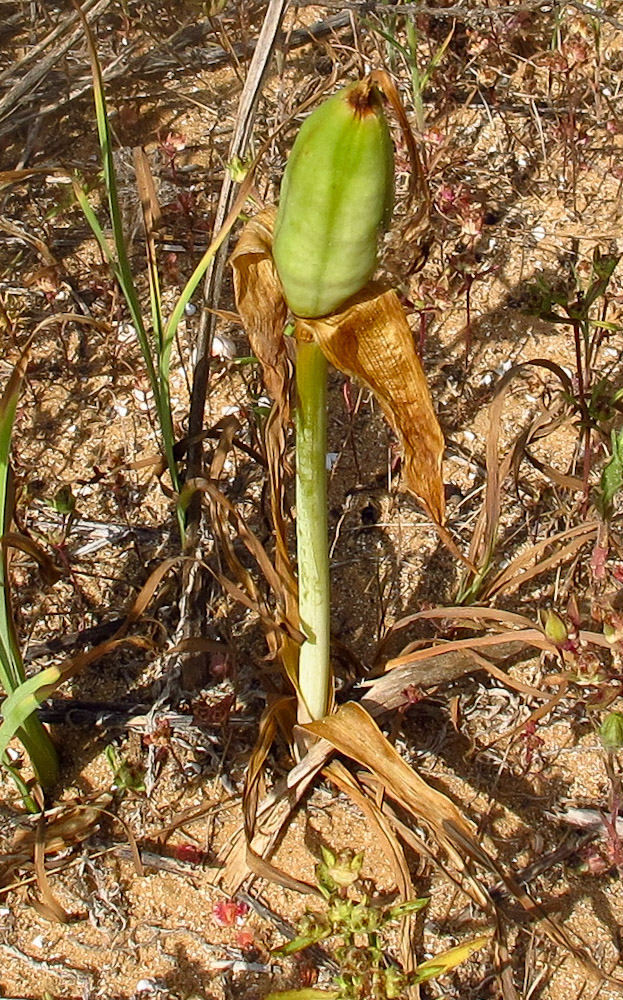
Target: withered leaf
<point x="260" y="301"/>
<point x="353" y="732"/>
<point x="262" y="308"/>
<point x="371" y="339"/>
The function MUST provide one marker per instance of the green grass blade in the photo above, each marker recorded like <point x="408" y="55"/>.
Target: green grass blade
<point x="23" y="702"/>
<point x="122" y="267"/>
<point x="98" y="232"/>
<point x="30" y="731"/>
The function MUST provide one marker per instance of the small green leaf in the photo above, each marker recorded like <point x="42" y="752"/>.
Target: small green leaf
<point x="447" y="960"/>
<point x="63" y="501"/>
<point x="313" y="927"/>
<point x="404" y="909"/>
<point x="611" y="731"/>
<point x="612" y="475"/>
<point x="555" y="628"/>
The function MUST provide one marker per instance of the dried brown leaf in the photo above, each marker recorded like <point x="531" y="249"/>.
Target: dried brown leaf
<point x="65" y="827"/>
<point x="371" y="340"/>
<point x="271" y="816"/>
<point x="352" y="732"/>
<point x="152" y="215"/>
<point x="49" y="906"/>
<point x="254" y="783"/>
<point x="49" y="571"/>
<point x="484" y="536"/>
<point x="515" y="574"/>
<point x="260" y="301"/>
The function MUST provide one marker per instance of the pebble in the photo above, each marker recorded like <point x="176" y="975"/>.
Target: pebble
<point x="147" y="986"/>
<point x="503" y="367"/>
<point x="223" y="347"/>
<point x="126" y="332"/>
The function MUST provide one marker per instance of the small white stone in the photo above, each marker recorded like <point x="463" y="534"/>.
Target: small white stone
<point x="120" y="409"/>
<point x="190" y="309"/>
<point x="538" y="233"/>
<point x="503" y="367"/>
<point x="126" y="333"/>
<point x="486" y="379"/>
<point x="139" y="395"/>
<point x="223" y="347"/>
<point x="469" y="435"/>
<point x="146" y="986"/>
<point x="331" y="459"/>
<point x="230" y="411"/>
<point x="39" y="941"/>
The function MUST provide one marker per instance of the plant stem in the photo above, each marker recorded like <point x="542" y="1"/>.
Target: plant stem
<point x="311" y="528"/>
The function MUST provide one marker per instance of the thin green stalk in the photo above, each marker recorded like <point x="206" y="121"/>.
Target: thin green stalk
<point x="311" y="528"/>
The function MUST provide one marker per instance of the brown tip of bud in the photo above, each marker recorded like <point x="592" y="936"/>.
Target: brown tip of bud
<point x="364" y="97"/>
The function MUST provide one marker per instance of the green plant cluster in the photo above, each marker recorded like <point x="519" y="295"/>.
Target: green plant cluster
<point x="360" y="926"/>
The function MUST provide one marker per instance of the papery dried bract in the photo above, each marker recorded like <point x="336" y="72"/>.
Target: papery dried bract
<point x="260" y="301"/>
<point x="371" y="339"/>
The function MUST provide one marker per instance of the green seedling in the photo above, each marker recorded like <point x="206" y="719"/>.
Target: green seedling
<point x="420" y="77"/>
<point x="359" y="926"/>
<point x="124" y="777"/>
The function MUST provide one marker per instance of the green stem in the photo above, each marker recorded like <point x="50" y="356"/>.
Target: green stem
<point x="311" y="528"/>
